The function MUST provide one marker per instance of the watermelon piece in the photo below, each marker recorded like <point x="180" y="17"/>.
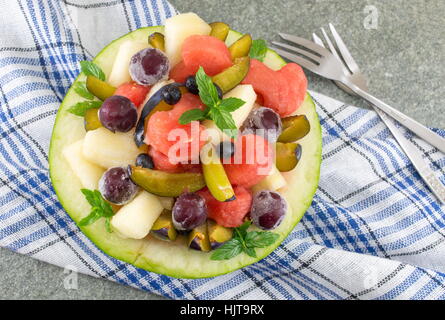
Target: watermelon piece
<point x="191" y="167"/>
<point x="283" y="91"/>
<point x="228" y="214"/>
<point x="161" y="124"/>
<point x="180" y="72"/>
<point x="252" y="161"/>
<point x="162" y="163"/>
<point x="297" y="81"/>
<point x="188" y="101"/>
<point x="133" y="91"/>
<point x="206" y="51"/>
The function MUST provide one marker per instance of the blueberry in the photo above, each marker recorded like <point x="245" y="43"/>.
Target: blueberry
<point x="171" y="94"/>
<point x="220" y="93"/>
<point x="145" y="161"/>
<point x="226" y="149"/>
<point x="191" y="85"/>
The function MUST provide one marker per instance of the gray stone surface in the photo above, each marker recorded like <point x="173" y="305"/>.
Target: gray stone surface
<point x="404" y="59"/>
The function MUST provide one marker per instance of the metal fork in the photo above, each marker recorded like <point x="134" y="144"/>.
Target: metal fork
<point x="354" y="76"/>
<point x="322" y="62"/>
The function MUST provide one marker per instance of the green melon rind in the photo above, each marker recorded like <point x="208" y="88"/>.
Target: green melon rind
<point x="173" y="259"/>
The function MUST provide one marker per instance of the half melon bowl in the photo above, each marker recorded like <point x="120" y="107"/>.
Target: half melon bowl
<point x="175" y="259"/>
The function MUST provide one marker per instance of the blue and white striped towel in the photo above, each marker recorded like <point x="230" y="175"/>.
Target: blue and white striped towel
<point x="374" y="231"/>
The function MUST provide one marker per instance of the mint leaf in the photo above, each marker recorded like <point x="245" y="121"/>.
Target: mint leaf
<point x="81" y="89"/>
<point x="91" y="218"/>
<point x="80" y="108"/>
<point x="243" y="228"/>
<point x="250" y="251"/>
<point x="217" y="110"/>
<point x="260" y="239"/>
<point x="92" y="69"/>
<point x="258" y="50"/>
<point x="100" y="208"/>
<point x="192" y="115"/>
<point x="108" y="225"/>
<point x="244" y="241"/>
<point x="231" y="104"/>
<point x="89" y="196"/>
<point x="107" y="209"/>
<point x="228" y="250"/>
<point x="224" y="121"/>
<point x="207" y="90"/>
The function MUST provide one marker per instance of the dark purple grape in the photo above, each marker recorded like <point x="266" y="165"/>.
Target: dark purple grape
<point x="118" y="113"/>
<point x="226" y="149"/>
<point x="268" y="209"/>
<point x="171" y="94"/>
<point x="189" y="211"/>
<point x="266" y="120"/>
<point x="116" y="186"/>
<point x="145" y="161"/>
<point x="149" y="66"/>
<point x="191" y="85"/>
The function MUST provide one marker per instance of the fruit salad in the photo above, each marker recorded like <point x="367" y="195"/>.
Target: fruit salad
<point x="190" y="149"/>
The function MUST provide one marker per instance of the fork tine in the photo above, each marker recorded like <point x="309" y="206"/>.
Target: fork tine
<point x="305" y="43"/>
<point x="298" y="59"/>
<point x="330" y="45"/>
<point x="347" y="57"/>
<point x="298" y="50"/>
<point x="317" y="40"/>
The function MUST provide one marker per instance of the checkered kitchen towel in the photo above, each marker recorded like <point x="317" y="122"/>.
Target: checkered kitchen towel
<point x="374" y="231"/>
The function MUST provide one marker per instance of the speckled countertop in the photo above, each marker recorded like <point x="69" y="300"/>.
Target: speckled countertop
<point x="403" y="55"/>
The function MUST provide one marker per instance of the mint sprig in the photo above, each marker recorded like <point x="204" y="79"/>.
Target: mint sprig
<point x="81" y="89"/>
<point x="244" y="241"/>
<point x="80" y="108"/>
<point x="99" y="209"/>
<point x="92" y="69"/>
<point x="258" y="49"/>
<point x="218" y="110"/>
<point x="228" y="250"/>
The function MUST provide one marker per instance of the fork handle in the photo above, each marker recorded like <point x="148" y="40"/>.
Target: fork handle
<point x="419" y="129"/>
<point x="424" y="170"/>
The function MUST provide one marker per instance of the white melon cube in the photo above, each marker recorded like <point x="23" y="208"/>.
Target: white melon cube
<point x="87" y="172"/>
<point x="108" y="149"/>
<point x="167" y="202"/>
<point x="177" y="29"/>
<point x="274" y="181"/>
<point x="135" y="219"/>
<point x="246" y="93"/>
